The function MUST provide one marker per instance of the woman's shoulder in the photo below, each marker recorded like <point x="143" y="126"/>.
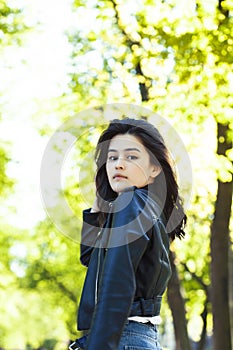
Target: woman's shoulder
<point x="130" y="195"/>
<point x="136" y="199"/>
<point x="138" y="193"/>
<point x="135" y="211"/>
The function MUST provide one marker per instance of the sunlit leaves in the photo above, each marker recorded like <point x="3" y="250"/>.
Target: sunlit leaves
<point x="5" y="182"/>
<point x="11" y="22"/>
<point x="185" y="55"/>
<point x="184" y="49"/>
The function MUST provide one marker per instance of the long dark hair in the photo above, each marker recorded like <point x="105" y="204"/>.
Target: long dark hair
<point x="165" y="185"/>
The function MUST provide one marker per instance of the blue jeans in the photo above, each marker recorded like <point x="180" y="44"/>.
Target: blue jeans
<point x="139" y="336"/>
<point x="135" y="336"/>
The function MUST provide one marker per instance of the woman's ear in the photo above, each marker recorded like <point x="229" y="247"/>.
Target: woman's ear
<point x="156" y="170"/>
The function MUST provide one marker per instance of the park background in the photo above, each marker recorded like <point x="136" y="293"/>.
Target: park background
<point x="59" y="58"/>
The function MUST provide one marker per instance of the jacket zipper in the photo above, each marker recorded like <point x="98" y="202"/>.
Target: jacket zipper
<point x="97" y="273"/>
<point x="98" y="262"/>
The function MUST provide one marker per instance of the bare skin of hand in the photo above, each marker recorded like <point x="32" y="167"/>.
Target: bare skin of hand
<point x="95" y="207"/>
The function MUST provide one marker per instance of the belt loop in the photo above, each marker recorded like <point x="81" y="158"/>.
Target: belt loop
<point x="157" y="304"/>
<point x="155" y="307"/>
<point x="142" y="306"/>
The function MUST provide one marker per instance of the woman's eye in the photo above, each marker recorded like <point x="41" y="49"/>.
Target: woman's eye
<point x="111" y="158"/>
<point x="131" y="157"/>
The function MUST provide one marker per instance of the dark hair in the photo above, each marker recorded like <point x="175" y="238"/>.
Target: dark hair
<point x="165" y="186"/>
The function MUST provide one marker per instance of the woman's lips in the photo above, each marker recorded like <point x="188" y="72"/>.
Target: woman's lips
<point x="119" y="177"/>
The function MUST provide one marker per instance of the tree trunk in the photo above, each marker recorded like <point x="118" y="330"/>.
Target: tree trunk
<point x="204" y="314"/>
<point x="176" y="303"/>
<point x="231" y="288"/>
<point x="220" y="255"/>
<point x="202" y="341"/>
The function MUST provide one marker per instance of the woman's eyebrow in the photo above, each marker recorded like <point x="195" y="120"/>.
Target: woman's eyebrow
<point x="126" y="149"/>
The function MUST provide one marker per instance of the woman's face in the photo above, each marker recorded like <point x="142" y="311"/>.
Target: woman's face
<point x="128" y="163"/>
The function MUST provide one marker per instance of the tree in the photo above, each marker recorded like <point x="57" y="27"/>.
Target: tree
<point x="177" y="59"/>
<point x="220" y="239"/>
<point x="177" y="305"/>
<point x="220" y="251"/>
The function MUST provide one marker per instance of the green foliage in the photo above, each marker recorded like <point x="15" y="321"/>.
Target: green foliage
<point x="5" y="182"/>
<point x="11" y="23"/>
<point x="184" y="52"/>
<point x="52" y="269"/>
<point x="40" y="284"/>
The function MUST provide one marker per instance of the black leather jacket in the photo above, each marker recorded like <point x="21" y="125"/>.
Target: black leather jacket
<point x="128" y="267"/>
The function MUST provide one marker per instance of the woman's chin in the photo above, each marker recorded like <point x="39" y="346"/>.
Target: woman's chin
<point x="120" y="188"/>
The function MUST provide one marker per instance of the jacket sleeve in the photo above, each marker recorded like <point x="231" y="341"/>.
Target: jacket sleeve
<point x="89" y="234"/>
<point x="127" y="243"/>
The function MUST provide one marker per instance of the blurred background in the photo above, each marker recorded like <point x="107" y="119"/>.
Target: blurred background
<point x="59" y="58"/>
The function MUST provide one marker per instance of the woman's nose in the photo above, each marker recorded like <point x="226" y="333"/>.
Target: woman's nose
<point x="120" y="163"/>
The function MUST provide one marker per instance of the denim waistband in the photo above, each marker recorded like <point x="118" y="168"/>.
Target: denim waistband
<point x="146" y="307"/>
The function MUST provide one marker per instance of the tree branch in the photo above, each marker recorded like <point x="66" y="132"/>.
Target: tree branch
<point x="144" y="91"/>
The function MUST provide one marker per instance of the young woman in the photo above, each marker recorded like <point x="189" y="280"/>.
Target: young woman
<point x="125" y="239"/>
